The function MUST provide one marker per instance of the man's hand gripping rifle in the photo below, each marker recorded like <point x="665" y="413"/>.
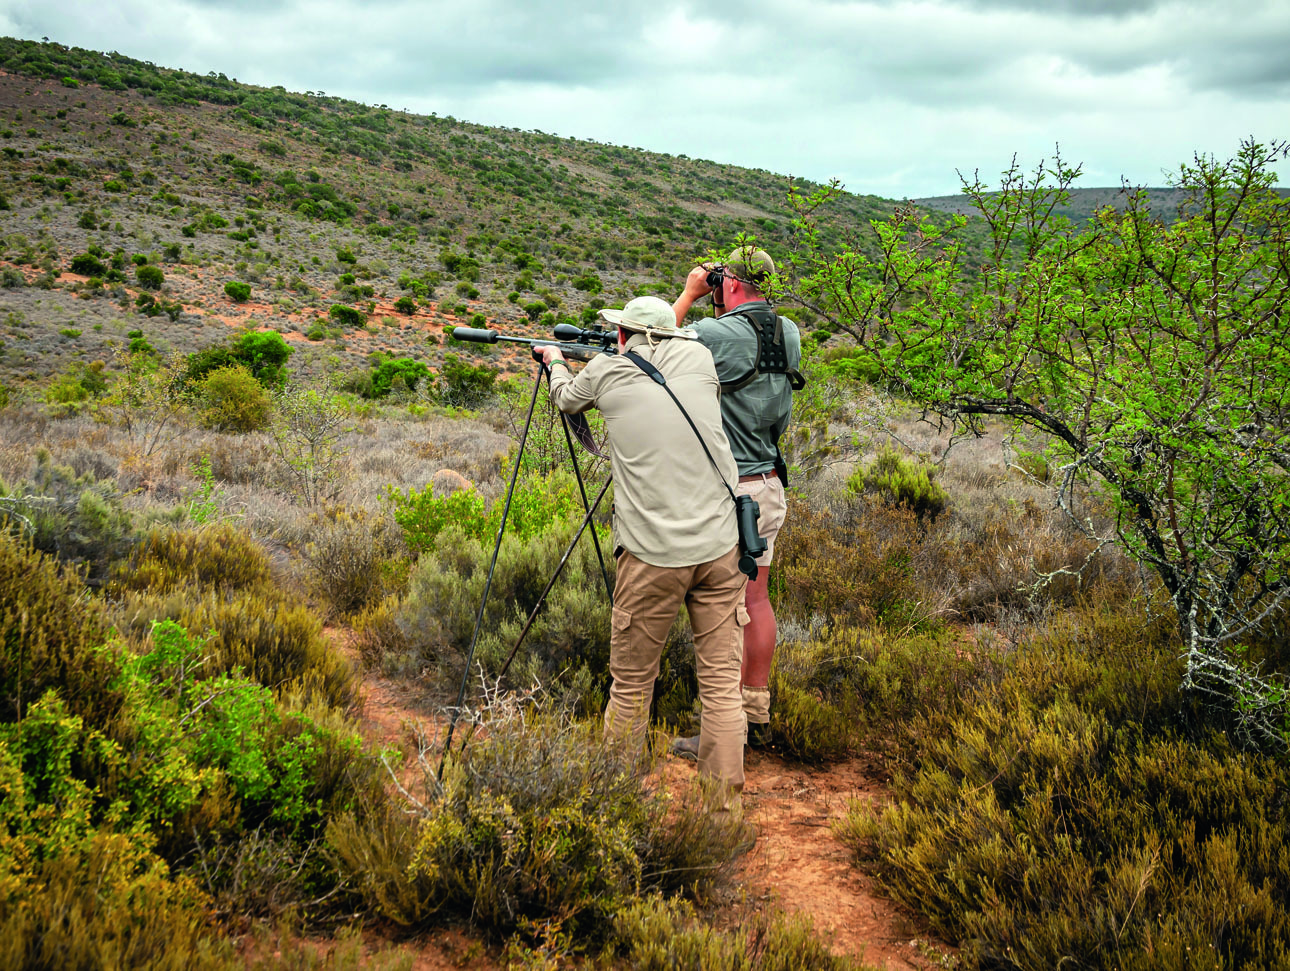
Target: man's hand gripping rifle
<point x="573" y="341"/>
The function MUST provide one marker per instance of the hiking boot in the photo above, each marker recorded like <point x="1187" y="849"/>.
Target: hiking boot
<point x="686" y="748"/>
<point x="758" y="734"/>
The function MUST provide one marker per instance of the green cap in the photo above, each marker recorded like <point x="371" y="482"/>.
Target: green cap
<point x="749" y="265"/>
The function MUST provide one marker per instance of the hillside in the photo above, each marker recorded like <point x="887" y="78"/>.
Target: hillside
<point x="311" y="201"/>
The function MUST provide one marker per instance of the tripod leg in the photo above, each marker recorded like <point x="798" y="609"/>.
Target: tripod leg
<point x="577" y="472"/>
<point x="479" y="617"/>
<point x="586" y="521"/>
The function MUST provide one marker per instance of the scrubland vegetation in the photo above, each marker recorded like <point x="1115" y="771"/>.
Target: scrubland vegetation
<point x="1085" y="751"/>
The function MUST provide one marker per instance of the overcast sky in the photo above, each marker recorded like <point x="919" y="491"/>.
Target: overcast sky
<point x="890" y="97"/>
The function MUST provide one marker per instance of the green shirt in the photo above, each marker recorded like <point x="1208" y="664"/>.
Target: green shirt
<point x="756" y="415"/>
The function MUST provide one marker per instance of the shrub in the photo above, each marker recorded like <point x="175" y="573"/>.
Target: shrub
<point x="264" y="354"/>
<point x="140" y="345"/>
<point x="465" y="385"/>
<point x="74" y="517"/>
<point x="538" y="503"/>
<point x="219" y="557"/>
<point x="896" y="480"/>
<point x="406" y="304"/>
<point x="233" y="401"/>
<point x="832" y="690"/>
<point x="87" y="265"/>
<point x="274" y="641"/>
<point x="216" y="579"/>
<point x="347" y="316"/>
<point x="390" y="373"/>
<point x="50" y="637"/>
<point x="237" y="291"/>
<point x="150" y="277"/>
<point x="538" y="820"/>
<point x="108" y="896"/>
<point x="657" y="934"/>
<point x="1083" y="816"/>
<point x="80" y="382"/>
<point x="851" y="562"/>
<point x="568" y="641"/>
<point x="174" y="757"/>
<point x="353" y="558"/>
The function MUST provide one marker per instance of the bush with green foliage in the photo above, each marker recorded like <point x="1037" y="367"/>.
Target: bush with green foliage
<point x="140" y="345"/>
<point x="347" y="316"/>
<point x="465" y="385"/>
<point x="87" y="265"/>
<point x="406" y="304"/>
<point x="78" y="384"/>
<point x="536" y="821"/>
<point x="150" y="277"/>
<point x="216" y="578"/>
<point x="262" y="353"/>
<point x="395" y="373"/>
<point x="237" y="291"/>
<point x="537" y="503"/>
<point x="232" y="400"/>
<point x="897" y="480"/>
<point x="123" y="770"/>
<point x="1074" y="809"/>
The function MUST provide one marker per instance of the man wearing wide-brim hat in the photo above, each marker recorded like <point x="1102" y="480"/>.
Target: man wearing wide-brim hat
<point x="674" y="524"/>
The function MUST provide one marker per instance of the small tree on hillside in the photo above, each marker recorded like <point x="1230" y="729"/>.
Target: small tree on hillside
<point x="1155" y="359"/>
<point x="307" y="429"/>
<point x="147" y="399"/>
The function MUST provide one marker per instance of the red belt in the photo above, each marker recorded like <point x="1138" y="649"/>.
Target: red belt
<point x="755" y="476"/>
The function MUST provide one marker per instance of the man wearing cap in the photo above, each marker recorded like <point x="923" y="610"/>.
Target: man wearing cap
<point x="674" y="524"/>
<point x="757" y="354"/>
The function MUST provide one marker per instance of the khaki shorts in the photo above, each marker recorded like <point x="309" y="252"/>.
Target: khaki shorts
<point x="773" y="506"/>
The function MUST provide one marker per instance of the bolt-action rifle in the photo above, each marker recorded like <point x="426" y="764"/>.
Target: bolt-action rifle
<point x="573" y="341"/>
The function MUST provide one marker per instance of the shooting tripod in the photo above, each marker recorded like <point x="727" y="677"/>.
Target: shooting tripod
<point x="582" y="345"/>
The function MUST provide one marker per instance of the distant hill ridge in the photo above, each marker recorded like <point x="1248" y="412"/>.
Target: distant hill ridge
<point x="1164" y="202"/>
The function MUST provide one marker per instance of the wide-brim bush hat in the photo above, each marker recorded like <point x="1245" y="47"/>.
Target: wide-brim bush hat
<point x="748" y="264"/>
<point x="650" y="316"/>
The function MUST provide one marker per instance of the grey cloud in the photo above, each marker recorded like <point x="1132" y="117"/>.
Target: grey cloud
<point x="454" y="46"/>
<point x="1080" y="8"/>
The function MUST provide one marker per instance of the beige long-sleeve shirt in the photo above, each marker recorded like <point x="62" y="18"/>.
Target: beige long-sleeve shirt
<point x="670" y="507"/>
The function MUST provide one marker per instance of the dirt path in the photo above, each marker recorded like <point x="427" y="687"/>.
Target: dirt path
<point x="797" y="864"/>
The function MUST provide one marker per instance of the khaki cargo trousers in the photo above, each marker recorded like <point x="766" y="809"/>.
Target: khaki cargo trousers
<point x="646" y="601"/>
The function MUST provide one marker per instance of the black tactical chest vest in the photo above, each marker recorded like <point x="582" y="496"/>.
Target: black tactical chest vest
<point x="772" y="353"/>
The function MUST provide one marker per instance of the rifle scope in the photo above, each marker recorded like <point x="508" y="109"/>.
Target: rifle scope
<point x="572" y="340"/>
